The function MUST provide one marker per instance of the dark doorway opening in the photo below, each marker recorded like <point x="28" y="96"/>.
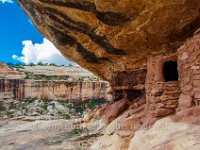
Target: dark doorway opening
<point x="170" y="71"/>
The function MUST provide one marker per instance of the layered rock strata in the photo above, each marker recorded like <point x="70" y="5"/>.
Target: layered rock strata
<point x="73" y="91"/>
<point x="55" y="90"/>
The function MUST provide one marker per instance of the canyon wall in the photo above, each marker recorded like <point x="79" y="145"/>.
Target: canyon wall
<point x="14" y="86"/>
<point x="75" y="91"/>
<point x="10" y="84"/>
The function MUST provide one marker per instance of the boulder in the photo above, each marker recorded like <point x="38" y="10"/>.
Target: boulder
<point x="59" y="107"/>
<point x="38" y="103"/>
<point x="87" y="118"/>
<point x="114" y="110"/>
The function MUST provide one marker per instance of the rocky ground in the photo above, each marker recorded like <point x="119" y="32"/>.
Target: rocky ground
<point x="35" y="109"/>
<point x="175" y="132"/>
<point x="42" y="135"/>
<point x="61" y="124"/>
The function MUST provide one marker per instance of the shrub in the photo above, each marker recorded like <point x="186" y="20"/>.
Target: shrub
<point x="30" y="99"/>
<point x="27" y="77"/>
<point x="76" y="131"/>
<point x="91" y="104"/>
<point x="2" y="108"/>
<point x="81" y="79"/>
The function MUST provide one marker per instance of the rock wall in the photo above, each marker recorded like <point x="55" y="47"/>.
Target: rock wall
<point x="189" y="72"/>
<point x="74" y="91"/>
<point x="164" y="97"/>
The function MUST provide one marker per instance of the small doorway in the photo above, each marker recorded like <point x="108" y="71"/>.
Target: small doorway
<point x="170" y="71"/>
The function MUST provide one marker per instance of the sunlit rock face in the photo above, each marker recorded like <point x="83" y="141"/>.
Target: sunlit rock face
<point x="111" y="36"/>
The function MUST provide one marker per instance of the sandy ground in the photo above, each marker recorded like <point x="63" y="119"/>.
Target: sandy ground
<point x="42" y="135"/>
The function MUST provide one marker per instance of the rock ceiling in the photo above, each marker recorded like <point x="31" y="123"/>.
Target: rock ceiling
<point x="107" y="36"/>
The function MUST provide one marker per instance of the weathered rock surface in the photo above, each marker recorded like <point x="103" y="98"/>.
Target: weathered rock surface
<point x="177" y="133"/>
<point x="113" y="142"/>
<point x="110" y="36"/>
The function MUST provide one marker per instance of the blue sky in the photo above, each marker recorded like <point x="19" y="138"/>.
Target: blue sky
<point x="19" y="36"/>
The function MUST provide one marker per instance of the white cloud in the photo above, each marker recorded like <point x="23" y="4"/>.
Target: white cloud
<point x="30" y="21"/>
<point x="6" y="1"/>
<point x="45" y="52"/>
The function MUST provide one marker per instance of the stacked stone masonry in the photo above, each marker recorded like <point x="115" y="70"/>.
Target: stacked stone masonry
<point x="162" y="97"/>
<point x="189" y="71"/>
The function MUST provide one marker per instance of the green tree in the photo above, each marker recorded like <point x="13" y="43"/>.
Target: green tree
<point x="40" y="63"/>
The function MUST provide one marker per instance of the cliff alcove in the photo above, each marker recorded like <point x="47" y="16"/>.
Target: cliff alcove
<point x="106" y="37"/>
<point x="148" y="50"/>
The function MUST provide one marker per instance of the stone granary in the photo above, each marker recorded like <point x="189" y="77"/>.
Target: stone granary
<point x="148" y="50"/>
<point x="171" y="81"/>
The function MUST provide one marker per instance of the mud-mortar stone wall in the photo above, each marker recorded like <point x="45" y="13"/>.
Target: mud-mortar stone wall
<point x="162" y="97"/>
<point x="189" y="72"/>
